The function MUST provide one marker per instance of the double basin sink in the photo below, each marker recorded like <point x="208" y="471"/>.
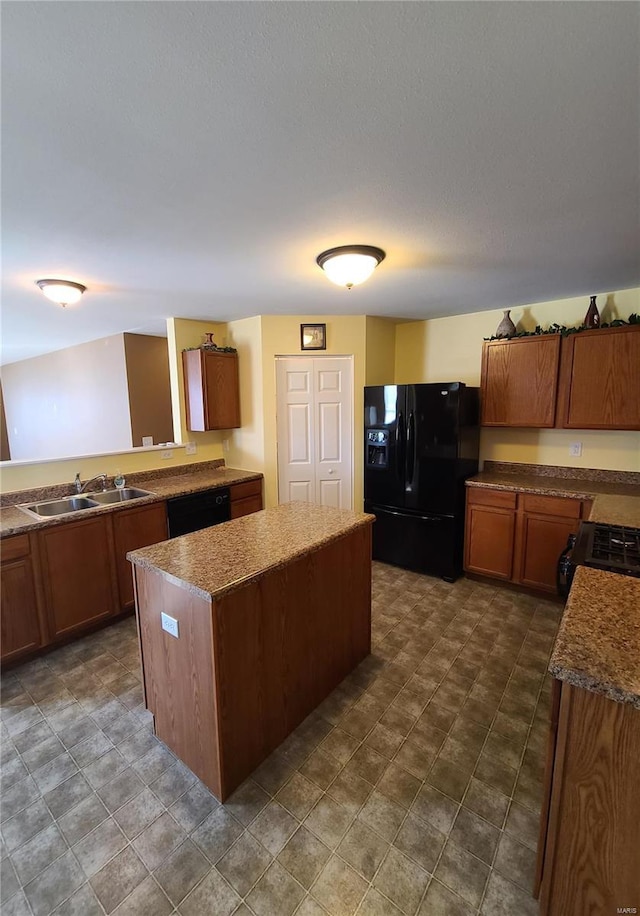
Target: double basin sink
<point x="72" y="504"/>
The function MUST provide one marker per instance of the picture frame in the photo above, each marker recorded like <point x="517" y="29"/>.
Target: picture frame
<point x="313" y="337"/>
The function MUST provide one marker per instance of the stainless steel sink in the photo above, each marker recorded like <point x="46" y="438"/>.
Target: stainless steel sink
<point x="107" y="497"/>
<point x="60" y="506"/>
<point x="72" y="504"/>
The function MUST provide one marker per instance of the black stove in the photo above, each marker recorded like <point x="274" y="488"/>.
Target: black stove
<point x="615" y="548"/>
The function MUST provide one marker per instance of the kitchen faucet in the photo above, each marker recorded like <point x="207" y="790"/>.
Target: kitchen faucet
<point x="81" y="487"/>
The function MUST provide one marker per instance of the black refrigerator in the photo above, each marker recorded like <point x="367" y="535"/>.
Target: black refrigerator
<point x="421" y="443"/>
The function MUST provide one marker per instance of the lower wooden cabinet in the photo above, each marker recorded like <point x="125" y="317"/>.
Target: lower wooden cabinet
<point x="133" y="529"/>
<point x="490" y="533"/>
<point x="246" y="498"/>
<point x="590" y="816"/>
<point x="519" y="537"/>
<point x="22" y="625"/>
<point x="78" y="573"/>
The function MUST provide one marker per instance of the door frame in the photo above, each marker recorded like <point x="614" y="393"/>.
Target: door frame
<point x="351" y="444"/>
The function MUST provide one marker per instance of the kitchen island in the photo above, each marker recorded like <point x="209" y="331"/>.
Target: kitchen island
<point x="269" y="613"/>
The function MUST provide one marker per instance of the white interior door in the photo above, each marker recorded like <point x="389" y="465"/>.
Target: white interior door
<point x="314" y="424"/>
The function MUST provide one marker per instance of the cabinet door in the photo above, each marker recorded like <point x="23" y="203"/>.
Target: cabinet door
<point x="20" y="625"/>
<point x="600" y="380"/>
<point x="490" y="534"/>
<point x="78" y="574"/>
<point x="519" y="381"/>
<point x="132" y="529"/>
<point x="543" y="538"/>
<point x="222" y="393"/>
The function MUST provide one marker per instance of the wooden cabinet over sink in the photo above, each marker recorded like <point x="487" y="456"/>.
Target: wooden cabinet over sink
<point x="211" y="390"/>
<point x="587" y="380"/>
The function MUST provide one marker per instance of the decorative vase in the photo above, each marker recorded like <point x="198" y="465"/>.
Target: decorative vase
<point x="506" y="328"/>
<point x="592" y="318"/>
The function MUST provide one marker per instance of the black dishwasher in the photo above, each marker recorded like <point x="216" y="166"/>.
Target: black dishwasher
<point x="198" y="510"/>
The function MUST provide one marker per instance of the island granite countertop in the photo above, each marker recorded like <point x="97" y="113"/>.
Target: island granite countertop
<point x="162" y="485"/>
<point x="217" y="560"/>
<point x="598" y="643"/>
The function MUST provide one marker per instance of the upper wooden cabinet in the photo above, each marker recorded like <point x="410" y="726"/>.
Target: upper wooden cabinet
<point x="600" y="380"/>
<point x="211" y="390"/>
<point x="520" y="381"/>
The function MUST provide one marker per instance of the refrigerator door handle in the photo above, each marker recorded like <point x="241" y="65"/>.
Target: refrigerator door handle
<point x="411" y="447"/>
<point x="399" y="444"/>
<point x="422" y="518"/>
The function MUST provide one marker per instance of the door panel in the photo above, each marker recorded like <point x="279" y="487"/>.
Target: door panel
<point x="314" y="423"/>
<point x="299" y="438"/>
<point x="331" y="493"/>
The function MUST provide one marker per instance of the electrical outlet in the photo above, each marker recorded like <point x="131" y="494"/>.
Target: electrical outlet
<point x="169" y="625"/>
<point x="190" y="448"/>
<point x="575" y="449"/>
<point x="225" y="445"/>
<point x="167" y="453"/>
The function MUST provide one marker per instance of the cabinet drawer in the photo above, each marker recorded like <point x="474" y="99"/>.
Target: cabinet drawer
<point x="243" y="490"/>
<point x="552" y="505"/>
<point x="246" y="506"/>
<point x="15" y="547"/>
<point x="505" y="499"/>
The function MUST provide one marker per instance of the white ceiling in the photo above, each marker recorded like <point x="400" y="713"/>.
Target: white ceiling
<point x="193" y="158"/>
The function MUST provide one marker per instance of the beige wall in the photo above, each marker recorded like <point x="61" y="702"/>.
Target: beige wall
<point x="246" y="444"/>
<point x="380" y="354"/>
<point x="450" y="349"/>
<point x="70" y="402"/>
<point x="147" y="363"/>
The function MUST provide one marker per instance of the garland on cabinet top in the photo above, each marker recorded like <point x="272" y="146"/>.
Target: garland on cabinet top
<point x="212" y="348"/>
<point x="565" y="331"/>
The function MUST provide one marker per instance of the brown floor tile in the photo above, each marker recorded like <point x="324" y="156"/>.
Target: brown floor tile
<point x="304" y="856"/>
<point x="475" y="835"/>
<point x="339" y="889"/>
<point x="440" y="901"/>
<point x="363" y="849"/>
<point x="402" y="881"/>
<point x="435" y="808"/>
<point x="181" y="871"/>
<point x="462" y="873"/>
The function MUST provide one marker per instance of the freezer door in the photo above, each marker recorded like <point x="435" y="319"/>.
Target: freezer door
<point x="423" y="543"/>
<point x="384" y="444"/>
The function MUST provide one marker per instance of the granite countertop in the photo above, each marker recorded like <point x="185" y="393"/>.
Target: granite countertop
<point x="217" y="560"/>
<point x="615" y="502"/>
<point x="14" y="521"/>
<point x="598" y="643"/>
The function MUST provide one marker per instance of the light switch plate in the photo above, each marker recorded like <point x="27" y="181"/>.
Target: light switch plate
<point x="190" y="448"/>
<point x="167" y="453"/>
<point x="169" y="624"/>
<point x="575" y="449"/>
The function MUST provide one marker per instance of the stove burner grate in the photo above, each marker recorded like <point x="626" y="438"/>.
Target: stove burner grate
<point x="616" y="546"/>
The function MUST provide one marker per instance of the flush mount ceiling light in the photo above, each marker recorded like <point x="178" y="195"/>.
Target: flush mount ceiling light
<point x="349" y="265"/>
<point x="64" y="292"/>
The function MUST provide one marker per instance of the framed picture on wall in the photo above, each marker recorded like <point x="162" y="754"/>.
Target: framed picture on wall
<point x="313" y="337"/>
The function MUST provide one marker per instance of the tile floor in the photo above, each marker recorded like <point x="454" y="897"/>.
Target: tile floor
<point x="414" y="788"/>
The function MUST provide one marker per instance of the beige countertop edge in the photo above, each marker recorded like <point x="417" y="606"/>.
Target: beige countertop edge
<point x="14" y="521"/>
<point x="137" y="558"/>
<point x="598" y="643"/>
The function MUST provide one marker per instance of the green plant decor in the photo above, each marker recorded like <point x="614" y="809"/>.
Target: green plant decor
<point x="565" y="331"/>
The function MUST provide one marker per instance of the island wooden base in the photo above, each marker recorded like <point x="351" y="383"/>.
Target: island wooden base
<point x="589" y="847"/>
<point x="249" y="667"/>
